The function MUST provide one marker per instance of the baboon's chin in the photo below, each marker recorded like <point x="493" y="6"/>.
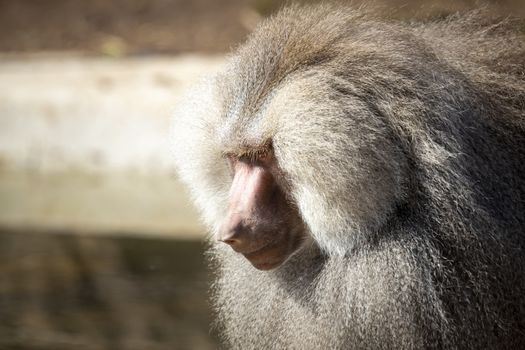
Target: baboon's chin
<point x="266" y="266"/>
<point x="267" y="258"/>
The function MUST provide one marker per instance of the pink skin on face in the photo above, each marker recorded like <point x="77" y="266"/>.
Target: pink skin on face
<point x="260" y="220"/>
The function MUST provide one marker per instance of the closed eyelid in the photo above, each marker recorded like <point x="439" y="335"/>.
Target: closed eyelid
<point x="250" y="154"/>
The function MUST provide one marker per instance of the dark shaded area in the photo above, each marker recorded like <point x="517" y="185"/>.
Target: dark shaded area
<point x="121" y="27"/>
<point x="62" y="291"/>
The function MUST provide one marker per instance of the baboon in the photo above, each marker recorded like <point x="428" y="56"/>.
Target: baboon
<point x="370" y="178"/>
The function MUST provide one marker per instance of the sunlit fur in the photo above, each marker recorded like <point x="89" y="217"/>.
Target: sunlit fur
<point x="403" y="146"/>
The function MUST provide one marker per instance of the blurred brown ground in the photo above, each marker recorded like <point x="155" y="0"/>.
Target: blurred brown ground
<point x="137" y="27"/>
<point x="61" y="291"/>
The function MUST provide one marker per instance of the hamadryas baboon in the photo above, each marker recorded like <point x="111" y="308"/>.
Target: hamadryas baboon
<point x="370" y="178"/>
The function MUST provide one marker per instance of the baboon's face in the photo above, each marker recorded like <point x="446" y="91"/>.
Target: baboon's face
<point x="261" y="222"/>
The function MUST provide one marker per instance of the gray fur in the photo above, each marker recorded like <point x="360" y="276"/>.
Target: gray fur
<point x="403" y="146"/>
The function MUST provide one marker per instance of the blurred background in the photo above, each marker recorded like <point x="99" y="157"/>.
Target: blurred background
<point x="100" y="247"/>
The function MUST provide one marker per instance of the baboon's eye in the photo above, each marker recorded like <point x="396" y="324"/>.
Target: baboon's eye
<point x="254" y="155"/>
<point x="262" y="154"/>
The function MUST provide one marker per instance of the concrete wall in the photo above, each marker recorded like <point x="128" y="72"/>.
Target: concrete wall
<point x="84" y="144"/>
